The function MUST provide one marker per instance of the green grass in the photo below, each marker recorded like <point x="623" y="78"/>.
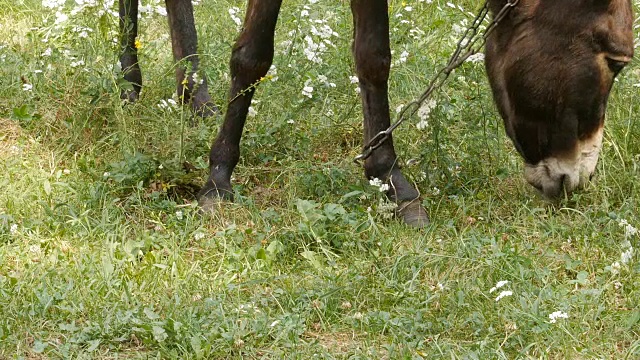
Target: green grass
<point x="103" y="253"/>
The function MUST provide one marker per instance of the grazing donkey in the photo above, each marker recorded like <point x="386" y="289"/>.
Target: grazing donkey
<point x="551" y="65"/>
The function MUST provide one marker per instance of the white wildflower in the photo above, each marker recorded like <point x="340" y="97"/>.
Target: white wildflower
<point x="499" y="284"/>
<point x="403" y="57"/>
<point x="272" y="74"/>
<point x="61" y="17"/>
<point x="475" y="58"/>
<point x="354" y="79"/>
<point x="375" y="182"/>
<point x="503" y="294"/>
<point x="629" y="230"/>
<point x="77" y="63"/>
<point x="425" y="109"/>
<point x="27" y="87"/>
<point x="313" y="50"/>
<point x="13" y="229"/>
<point x="615" y="268"/>
<point x="198" y="236"/>
<point x="161" y="10"/>
<point x="233" y="12"/>
<point x="179" y="215"/>
<point x="626" y="256"/>
<point x="554" y="316"/>
<point x="457" y="29"/>
<point x="252" y="112"/>
<point x="196" y="79"/>
<point x="308" y="91"/>
<point x="52" y="4"/>
<point x="386" y="208"/>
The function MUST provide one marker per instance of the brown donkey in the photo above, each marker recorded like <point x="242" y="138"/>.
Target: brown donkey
<point x="551" y="65"/>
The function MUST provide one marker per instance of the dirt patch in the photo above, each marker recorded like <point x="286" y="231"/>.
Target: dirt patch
<point x="337" y="343"/>
<point x="10" y="131"/>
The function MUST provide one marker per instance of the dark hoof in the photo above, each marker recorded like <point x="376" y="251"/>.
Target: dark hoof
<point x="129" y="97"/>
<point x="412" y="213"/>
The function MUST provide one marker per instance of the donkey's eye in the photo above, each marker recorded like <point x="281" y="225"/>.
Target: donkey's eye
<point x="615" y="65"/>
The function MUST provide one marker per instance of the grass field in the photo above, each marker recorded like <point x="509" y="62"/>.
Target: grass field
<point x="103" y="254"/>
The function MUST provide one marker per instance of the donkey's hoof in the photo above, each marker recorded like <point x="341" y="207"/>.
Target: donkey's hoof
<point x="129" y="96"/>
<point x="412" y="213"/>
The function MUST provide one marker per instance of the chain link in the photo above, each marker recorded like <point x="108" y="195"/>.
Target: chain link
<point x="471" y="42"/>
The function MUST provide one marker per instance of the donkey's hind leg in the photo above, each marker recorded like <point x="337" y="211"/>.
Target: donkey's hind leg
<point x="251" y="58"/>
<point x="373" y="58"/>
<point x="184" y="42"/>
<point x="128" y="14"/>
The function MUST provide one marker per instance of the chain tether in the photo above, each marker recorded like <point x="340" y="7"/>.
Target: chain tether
<point x="465" y="47"/>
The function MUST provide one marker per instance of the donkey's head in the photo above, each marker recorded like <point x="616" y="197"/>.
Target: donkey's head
<point x="551" y="65"/>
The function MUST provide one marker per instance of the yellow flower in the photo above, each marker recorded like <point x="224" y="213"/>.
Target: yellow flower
<point x="137" y="44"/>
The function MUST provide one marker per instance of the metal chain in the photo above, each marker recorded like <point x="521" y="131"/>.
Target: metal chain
<point x="465" y="47"/>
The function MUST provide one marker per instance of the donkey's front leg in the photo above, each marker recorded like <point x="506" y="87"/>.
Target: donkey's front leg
<point x="373" y="58"/>
<point x="128" y="13"/>
<point x="184" y="42"/>
<point x="251" y="58"/>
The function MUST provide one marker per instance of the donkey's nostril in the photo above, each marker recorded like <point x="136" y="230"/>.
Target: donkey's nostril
<point x="565" y="184"/>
